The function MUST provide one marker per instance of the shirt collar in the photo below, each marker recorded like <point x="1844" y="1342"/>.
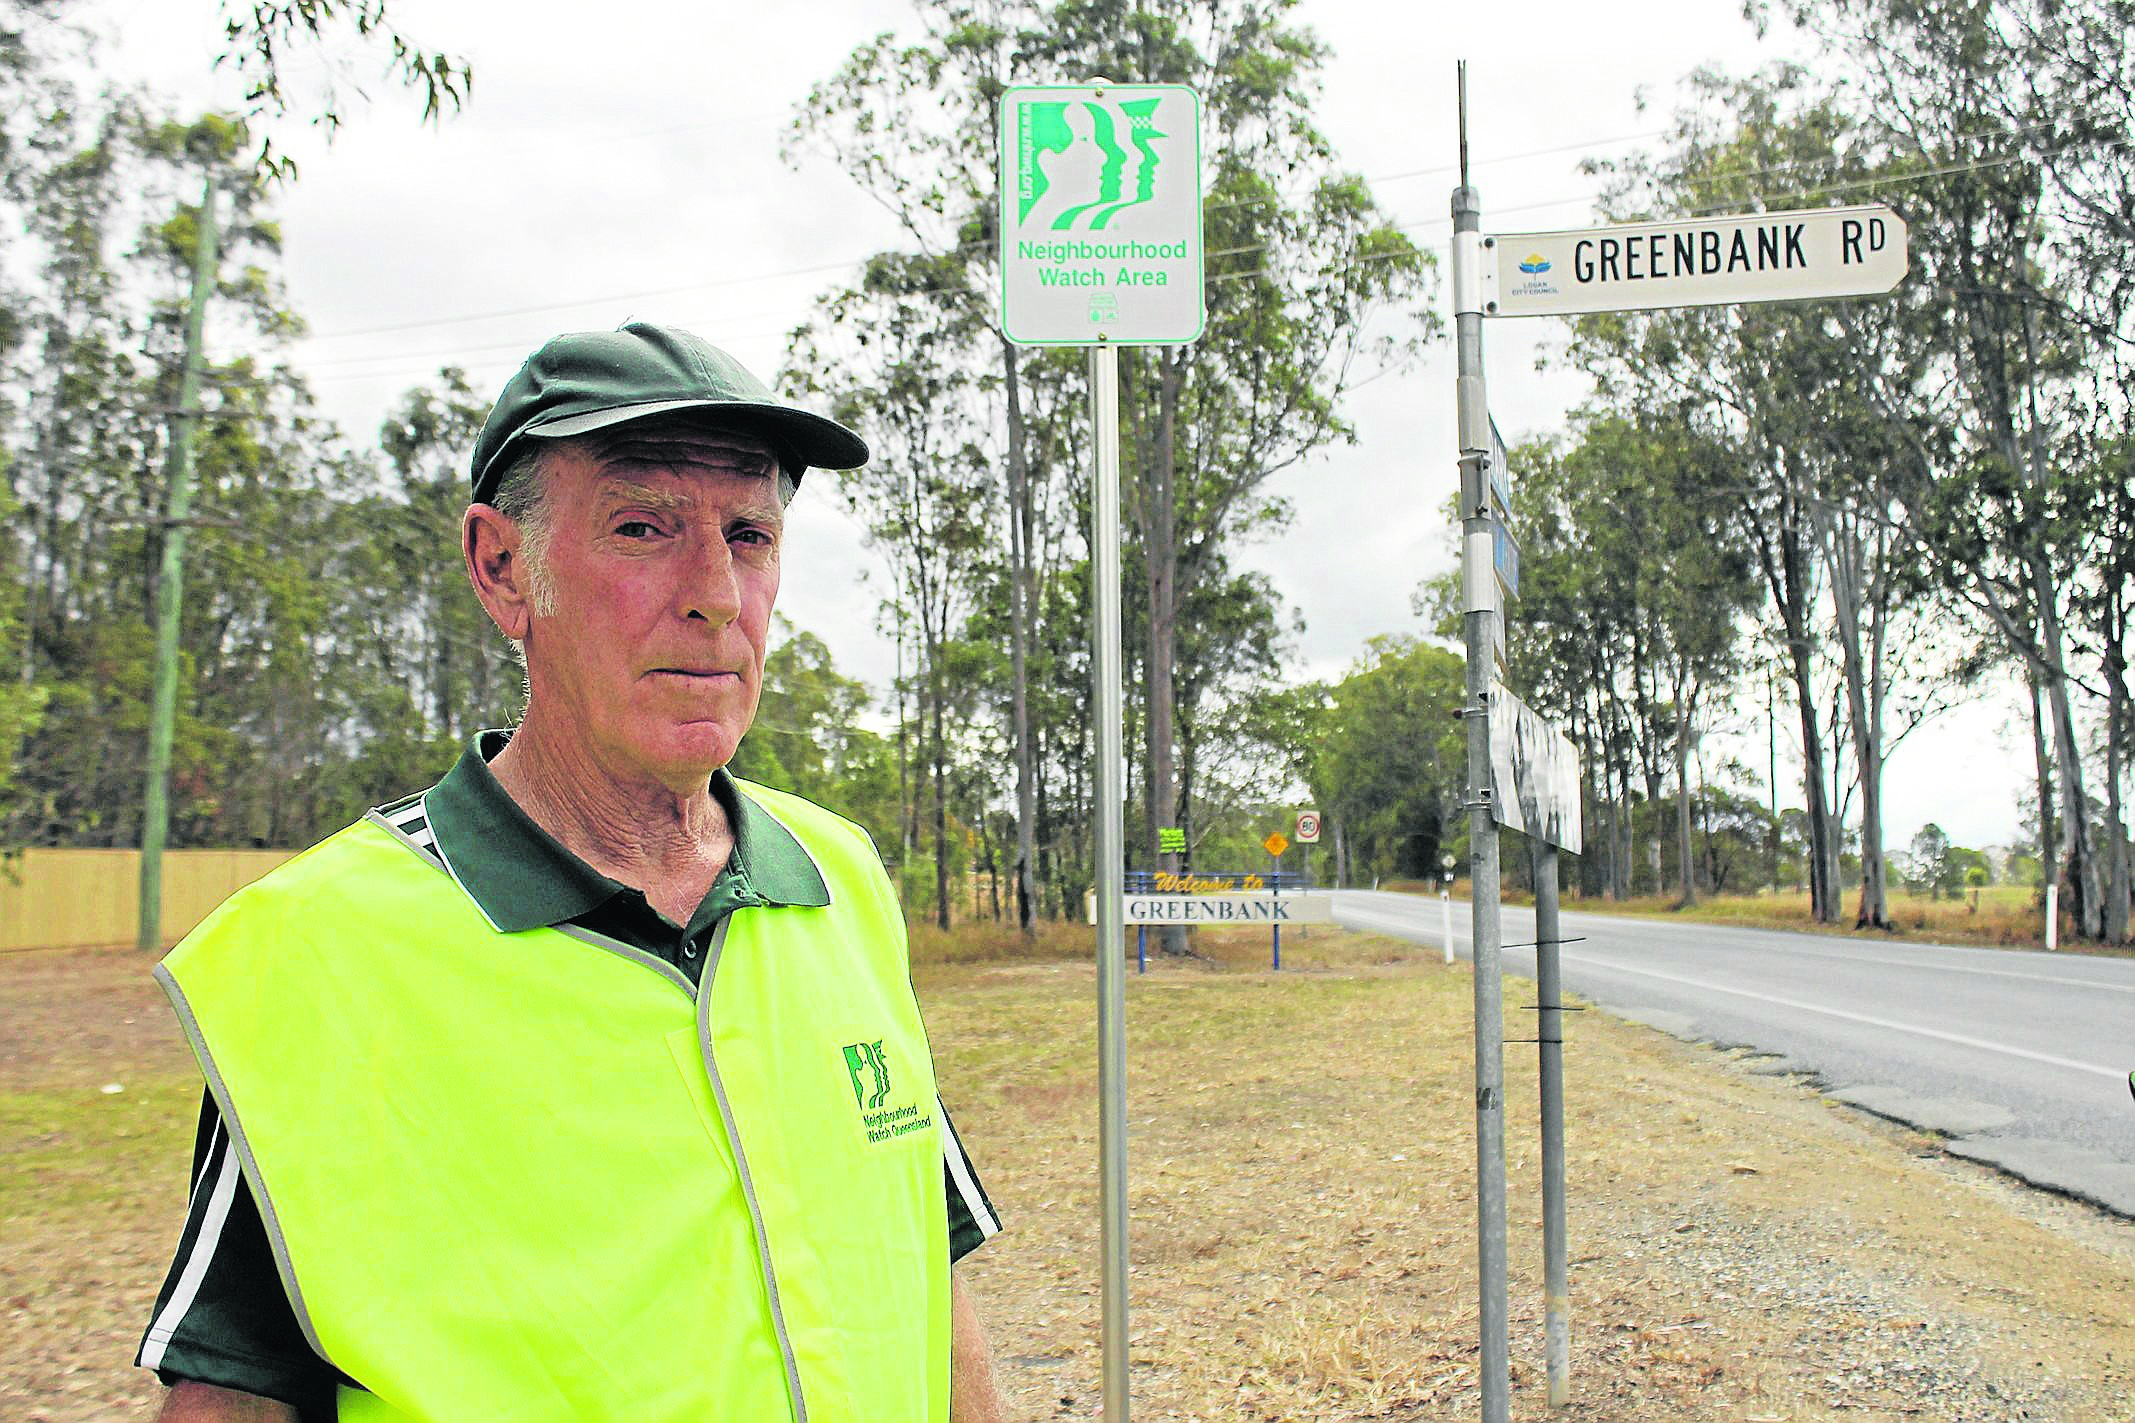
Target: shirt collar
<point x="522" y="877"/>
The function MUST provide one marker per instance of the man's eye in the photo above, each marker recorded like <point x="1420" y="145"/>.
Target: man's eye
<point x="635" y="528"/>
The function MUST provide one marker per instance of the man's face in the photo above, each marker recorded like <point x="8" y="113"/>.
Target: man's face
<point x="661" y="567"/>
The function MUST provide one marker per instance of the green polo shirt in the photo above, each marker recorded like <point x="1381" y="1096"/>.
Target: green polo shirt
<point x="523" y="878"/>
<point x="222" y="1317"/>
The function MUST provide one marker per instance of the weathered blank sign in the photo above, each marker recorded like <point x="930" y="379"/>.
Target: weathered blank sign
<point x="1534" y="774"/>
<point x="1695" y="261"/>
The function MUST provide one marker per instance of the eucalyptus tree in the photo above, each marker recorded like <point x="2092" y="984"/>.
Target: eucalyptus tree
<point x="1310" y="287"/>
<point x="1388" y="758"/>
<point x="927" y="497"/>
<point x="916" y="127"/>
<point x="2013" y="199"/>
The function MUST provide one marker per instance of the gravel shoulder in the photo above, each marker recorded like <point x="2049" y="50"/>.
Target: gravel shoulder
<point x="1743" y="1248"/>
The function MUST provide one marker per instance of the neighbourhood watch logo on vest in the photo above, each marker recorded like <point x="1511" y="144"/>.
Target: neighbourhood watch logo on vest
<point x="869" y="1068"/>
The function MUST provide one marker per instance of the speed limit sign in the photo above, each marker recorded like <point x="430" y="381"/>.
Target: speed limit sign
<point x="1308" y="827"/>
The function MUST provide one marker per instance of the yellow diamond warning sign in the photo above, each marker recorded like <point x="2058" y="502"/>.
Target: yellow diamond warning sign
<point x="1275" y="844"/>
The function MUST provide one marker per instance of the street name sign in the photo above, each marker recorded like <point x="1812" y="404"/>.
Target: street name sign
<point x="1308" y="827"/>
<point x="1534" y="774"/>
<point x="1695" y="261"/>
<point x="1248" y="909"/>
<point x="1101" y="215"/>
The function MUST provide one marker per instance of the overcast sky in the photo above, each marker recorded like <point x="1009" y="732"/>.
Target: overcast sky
<point x="620" y="161"/>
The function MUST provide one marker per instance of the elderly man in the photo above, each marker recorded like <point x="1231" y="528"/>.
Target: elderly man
<point x="587" y="1084"/>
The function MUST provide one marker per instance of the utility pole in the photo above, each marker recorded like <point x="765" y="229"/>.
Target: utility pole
<point x="1480" y="614"/>
<point x="170" y="582"/>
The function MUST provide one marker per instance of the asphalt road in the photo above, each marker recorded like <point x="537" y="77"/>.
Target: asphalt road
<point x="2021" y="1058"/>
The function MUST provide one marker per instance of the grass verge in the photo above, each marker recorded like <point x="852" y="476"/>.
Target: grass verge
<point x="1302" y="1207"/>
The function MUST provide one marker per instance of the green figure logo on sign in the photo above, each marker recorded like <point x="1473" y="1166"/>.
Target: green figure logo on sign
<point x="1075" y="167"/>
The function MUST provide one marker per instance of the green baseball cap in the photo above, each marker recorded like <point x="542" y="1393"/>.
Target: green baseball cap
<point x="589" y="380"/>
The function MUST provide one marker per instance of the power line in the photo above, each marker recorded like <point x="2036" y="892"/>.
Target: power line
<point x="1428" y="225"/>
<point x="853" y="262"/>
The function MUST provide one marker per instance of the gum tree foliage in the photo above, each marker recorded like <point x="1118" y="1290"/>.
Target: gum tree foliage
<point x="1389" y="758"/>
<point x="1636" y="592"/>
<point x="2020" y="205"/>
<point x="1310" y="288"/>
<point x="261" y="38"/>
<point x="101" y="195"/>
<point x="1816" y="499"/>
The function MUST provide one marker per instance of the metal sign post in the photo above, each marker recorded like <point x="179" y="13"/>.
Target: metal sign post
<point x="1523" y="774"/>
<point x="1549" y="1045"/>
<point x="1275" y="844"/>
<point x="1111" y="880"/>
<point x="1480" y="613"/>
<point x="1100" y="225"/>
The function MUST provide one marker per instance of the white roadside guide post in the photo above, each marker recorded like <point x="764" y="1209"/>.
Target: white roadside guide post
<point x="1521" y="772"/>
<point x="1100" y="224"/>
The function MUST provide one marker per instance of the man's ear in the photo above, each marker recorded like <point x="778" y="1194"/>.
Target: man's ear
<point x="490" y="543"/>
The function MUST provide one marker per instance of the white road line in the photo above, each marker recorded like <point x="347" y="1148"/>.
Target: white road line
<point x="2117" y="1074"/>
<point x="1981" y="1044"/>
<point x="1926" y="961"/>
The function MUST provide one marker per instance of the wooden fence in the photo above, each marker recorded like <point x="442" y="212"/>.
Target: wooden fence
<point x="67" y="899"/>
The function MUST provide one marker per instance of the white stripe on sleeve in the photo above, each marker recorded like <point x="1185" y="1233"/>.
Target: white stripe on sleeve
<point x="196" y="1264"/>
<point x="952" y="1151"/>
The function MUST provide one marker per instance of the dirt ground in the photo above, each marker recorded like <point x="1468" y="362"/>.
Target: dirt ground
<point x="1303" y="1223"/>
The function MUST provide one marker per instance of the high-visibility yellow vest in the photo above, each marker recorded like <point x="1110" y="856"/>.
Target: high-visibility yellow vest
<point x="525" y="1178"/>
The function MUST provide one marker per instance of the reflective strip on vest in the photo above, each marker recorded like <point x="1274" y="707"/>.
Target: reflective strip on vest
<point x="530" y="1177"/>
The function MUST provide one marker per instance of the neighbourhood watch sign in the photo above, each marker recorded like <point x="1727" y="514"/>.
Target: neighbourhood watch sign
<point x="1101" y="215"/>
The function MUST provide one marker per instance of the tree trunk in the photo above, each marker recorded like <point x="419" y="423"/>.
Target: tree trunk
<point x="2089" y="898"/>
<point x="907" y="803"/>
<point x="993" y="868"/>
<point x="941" y="789"/>
<point x="2049" y="862"/>
<point x="1019" y="541"/>
<point x="1844" y="551"/>
<point x="1161" y="560"/>
<point x="1686" y="872"/>
<point x="2116" y="850"/>
<point x="1785" y="557"/>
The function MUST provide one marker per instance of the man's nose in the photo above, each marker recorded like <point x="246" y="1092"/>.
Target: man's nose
<point x="711" y="589"/>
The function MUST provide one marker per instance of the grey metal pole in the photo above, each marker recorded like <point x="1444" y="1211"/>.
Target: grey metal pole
<point x="170" y="581"/>
<point x="1111" y="878"/>
<point x="1549" y="1035"/>
<point x="1479" y="590"/>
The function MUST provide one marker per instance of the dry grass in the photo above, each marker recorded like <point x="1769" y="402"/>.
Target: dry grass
<point x="1302" y="1207"/>
<point x="983" y="941"/>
